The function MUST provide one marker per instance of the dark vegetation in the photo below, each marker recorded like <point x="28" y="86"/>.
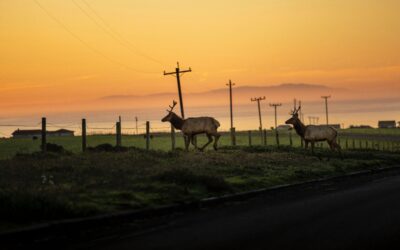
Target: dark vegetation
<point x="56" y="185"/>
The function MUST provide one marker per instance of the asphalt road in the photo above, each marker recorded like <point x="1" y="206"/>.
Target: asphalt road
<point x="361" y="217"/>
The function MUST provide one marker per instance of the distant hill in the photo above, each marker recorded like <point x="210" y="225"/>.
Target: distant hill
<point x="242" y="94"/>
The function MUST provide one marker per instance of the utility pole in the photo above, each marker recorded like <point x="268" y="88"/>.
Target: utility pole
<point x="258" y="99"/>
<point x="178" y="72"/>
<point x="230" y="84"/>
<point x="326" y="107"/>
<point x="136" y="120"/>
<point x="275" y="105"/>
<point x="233" y="138"/>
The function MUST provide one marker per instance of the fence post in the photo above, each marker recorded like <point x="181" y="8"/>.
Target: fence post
<point x="290" y="139"/>
<point x="347" y="143"/>
<point x="277" y="137"/>
<point x="172" y="137"/>
<point x="250" y="138"/>
<point x="44" y="135"/>
<point x="261" y="136"/>
<point x="83" y="135"/>
<point x="265" y="137"/>
<point x="118" y="135"/>
<point x="147" y="135"/>
<point x="233" y="136"/>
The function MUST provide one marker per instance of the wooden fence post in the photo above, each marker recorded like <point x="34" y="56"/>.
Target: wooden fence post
<point x="265" y="137"/>
<point x="277" y="137"/>
<point x="147" y="135"/>
<point x="172" y="138"/>
<point x="83" y="135"/>
<point x="233" y="136"/>
<point x="261" y="136"/>
<point x="44" y="135"/>
<point x="290" y="139"/>
<point x="249" y="138"/>
<point x="118" y="134"/>
<point x="347" y="143"/>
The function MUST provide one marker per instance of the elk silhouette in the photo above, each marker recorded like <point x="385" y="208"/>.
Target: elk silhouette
<point x="194" y="126"/>
<point x="314" y="133"/>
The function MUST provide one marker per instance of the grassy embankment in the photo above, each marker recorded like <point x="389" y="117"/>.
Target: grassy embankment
<point x="36" y="188"/>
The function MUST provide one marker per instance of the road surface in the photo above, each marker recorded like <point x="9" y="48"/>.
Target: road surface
<point x="361" y="217"/>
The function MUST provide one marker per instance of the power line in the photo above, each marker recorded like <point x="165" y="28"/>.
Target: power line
<point x="107" y="29"/>
<point x="94" y="50"/>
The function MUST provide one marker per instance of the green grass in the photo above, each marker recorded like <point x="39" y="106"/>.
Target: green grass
<point x="381" y="138"/>
<point x="36" y="187"/>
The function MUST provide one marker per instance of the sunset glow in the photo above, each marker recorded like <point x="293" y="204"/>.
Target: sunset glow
<point x="62" y="55"/>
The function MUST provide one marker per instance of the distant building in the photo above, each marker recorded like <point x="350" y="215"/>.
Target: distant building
<point x="386" y="124"/>
<point x="36" y="133"/>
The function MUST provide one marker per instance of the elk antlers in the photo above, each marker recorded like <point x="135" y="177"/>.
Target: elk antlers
<point x="295" y="111"/>
<point x="172" y="107"/>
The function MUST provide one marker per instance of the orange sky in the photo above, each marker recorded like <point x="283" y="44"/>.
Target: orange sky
<point x="62" y="53"/>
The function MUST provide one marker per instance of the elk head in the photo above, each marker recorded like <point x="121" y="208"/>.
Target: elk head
<point x="295" y="117"/>
<point x="168" y="117"/>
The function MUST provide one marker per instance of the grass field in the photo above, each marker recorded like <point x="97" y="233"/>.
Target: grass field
<point x="384" y="139"/>
<point x="40" y="187"/>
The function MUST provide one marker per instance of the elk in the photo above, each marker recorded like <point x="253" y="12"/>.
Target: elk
<point x="314" y="133"/>
<point x="194" y="126"/>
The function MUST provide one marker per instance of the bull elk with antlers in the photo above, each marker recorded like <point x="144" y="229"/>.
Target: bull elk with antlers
<point x="314" y="133"/>
<point x="194" y="126"/>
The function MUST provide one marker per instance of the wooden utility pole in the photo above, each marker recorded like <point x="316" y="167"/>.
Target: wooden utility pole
<point x="326" y="107"/>
<point x="136" y="120"/>
<point x="178" y="72"/>
<point x="276" y="105"/>
<point x="258" y="99"/>
<point x="230" y="84"/>
<point x="233" y="138"/>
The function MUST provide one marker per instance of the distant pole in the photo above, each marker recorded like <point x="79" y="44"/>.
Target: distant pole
<point x="233" y="138"/>
<point x="178" y="74"/>
<point x="326" y="107"/>
<point x="136" y="121"/>
<point x="230" y="84"/>
<point x="83" y="135"/>
<point x="276" y="105"/>
<point x="172" y="137"/>
<point x="258" y="99"/>
<point x="44" y="135"/>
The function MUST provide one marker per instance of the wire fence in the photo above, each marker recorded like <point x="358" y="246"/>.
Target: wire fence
<point x="28" y="137"/>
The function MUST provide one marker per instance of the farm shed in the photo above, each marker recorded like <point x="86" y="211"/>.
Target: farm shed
<point x="36" y="133"/>
<point x="386" y="124"/>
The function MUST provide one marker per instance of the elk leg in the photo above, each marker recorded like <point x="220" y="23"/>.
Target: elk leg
<point x="312" y="147"/>
<point x="216" y="141"/>
<point x="209" y="141"/>
<point x="187" y="142"/>
<point x="306" y="144"/>
<point x="192" y="140"/>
